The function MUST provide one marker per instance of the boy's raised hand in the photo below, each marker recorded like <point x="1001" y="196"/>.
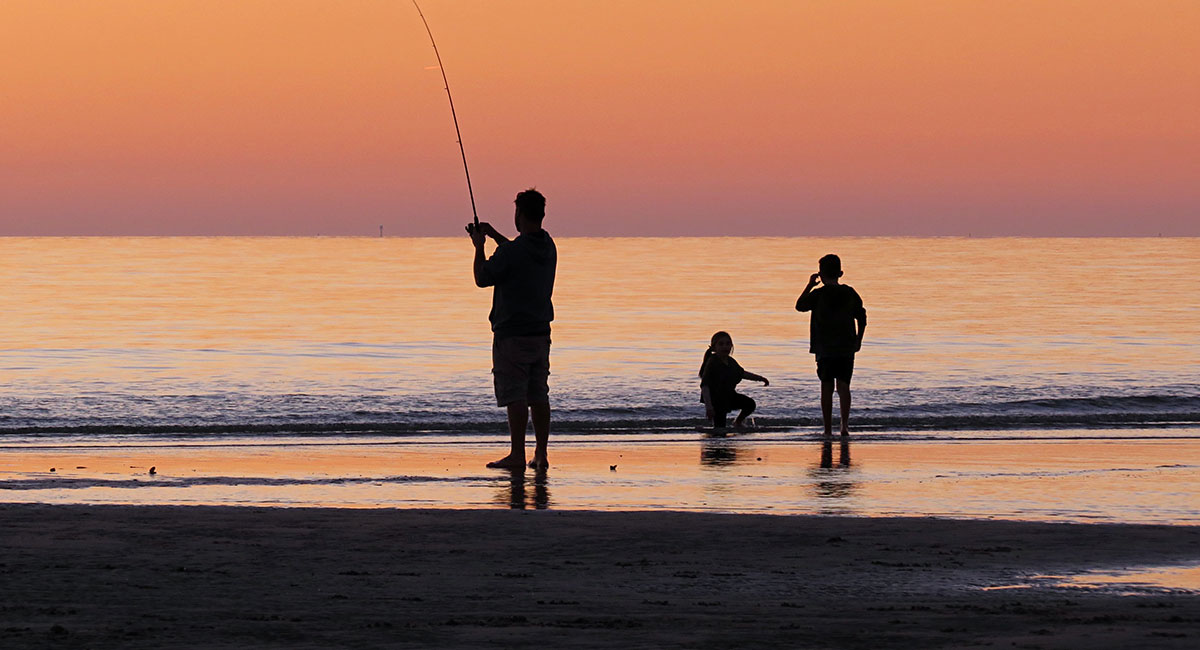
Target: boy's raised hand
<point x="814" y="279"/>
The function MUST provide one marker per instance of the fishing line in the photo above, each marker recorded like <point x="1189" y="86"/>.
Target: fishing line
<point x="453" y="115"/>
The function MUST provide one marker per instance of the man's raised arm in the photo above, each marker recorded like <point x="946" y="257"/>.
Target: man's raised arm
<point x="479" y="232"/>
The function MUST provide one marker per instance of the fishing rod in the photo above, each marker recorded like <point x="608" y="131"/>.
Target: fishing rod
<point x="453" y="115"/>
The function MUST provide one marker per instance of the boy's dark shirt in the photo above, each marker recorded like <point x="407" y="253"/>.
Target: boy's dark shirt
<point x="832" y="331"/>
<point x="721" y="379"/>
<point x="522" y="272"/>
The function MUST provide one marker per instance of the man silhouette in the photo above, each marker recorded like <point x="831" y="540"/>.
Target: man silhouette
<point x="521" y="273"/>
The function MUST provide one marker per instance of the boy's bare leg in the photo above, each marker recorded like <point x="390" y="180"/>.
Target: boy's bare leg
<point x="518" y="419"/>
<point x="541" y="432"/>
<point x="843" y="389"/>
<point x="827" y="405"/>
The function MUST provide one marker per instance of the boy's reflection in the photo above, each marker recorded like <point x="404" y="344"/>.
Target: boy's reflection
<point x="827" y="452"/>
<point x="516" y="494"/>
<point x="831" y="483"/>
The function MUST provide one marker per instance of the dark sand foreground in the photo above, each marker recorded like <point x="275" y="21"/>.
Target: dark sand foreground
<point x="154" y="577"/>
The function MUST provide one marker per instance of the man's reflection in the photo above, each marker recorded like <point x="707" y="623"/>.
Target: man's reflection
<point x="517" y="493"/>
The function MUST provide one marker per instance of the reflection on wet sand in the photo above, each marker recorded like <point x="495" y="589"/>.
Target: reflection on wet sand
<point x="1125" y="480"/>
<point x="834" y="483"/>
<point x="827" y="452"/>
<point x="718" y="451"/>
<point x="515" y="493"/>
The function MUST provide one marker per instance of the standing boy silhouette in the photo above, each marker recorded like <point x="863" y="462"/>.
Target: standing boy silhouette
<point x="836" y="330"/>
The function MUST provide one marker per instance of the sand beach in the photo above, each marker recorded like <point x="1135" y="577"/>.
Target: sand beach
<point x="1050" y="539"/>
<point x="174" y="577"/>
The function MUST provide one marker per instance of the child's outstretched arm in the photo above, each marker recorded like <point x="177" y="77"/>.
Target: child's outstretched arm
<point x="753" y="377"/>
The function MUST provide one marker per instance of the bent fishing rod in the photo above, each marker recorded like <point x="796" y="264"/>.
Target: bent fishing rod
<point x="453" y="115"/>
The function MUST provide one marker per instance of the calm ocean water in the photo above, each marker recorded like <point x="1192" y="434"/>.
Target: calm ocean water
<point x="210" y="336"/>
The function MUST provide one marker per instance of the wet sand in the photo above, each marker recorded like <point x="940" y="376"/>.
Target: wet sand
<point x="169" y="576"/>
<point x="1128" y="480"/>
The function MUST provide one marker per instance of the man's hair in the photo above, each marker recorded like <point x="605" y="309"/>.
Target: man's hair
<point x="532" y="204"/>
<point x="831" y="264"/>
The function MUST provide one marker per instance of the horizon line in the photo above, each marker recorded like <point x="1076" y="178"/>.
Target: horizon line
<point x="348" y="236"/>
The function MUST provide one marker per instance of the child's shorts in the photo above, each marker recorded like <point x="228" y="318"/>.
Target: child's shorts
<point x="520" y="368"/>
<point x="839" y="368"/>
<point x="736" y="401"/>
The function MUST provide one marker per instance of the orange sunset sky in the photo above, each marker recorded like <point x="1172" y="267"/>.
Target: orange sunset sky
<point x="647" y="117"/>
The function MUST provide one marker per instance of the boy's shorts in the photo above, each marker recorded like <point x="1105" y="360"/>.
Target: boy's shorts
<point x="839" y="368"/>
<point x="520" y="366"/>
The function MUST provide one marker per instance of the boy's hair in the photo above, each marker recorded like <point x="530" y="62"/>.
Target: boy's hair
<point x="831" y="264"/>
<point x="532" y="204"/>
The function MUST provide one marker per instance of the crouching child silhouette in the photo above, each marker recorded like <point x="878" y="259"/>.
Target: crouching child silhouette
<point x="719" y="377"/>
<point x="836" y="329"/>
